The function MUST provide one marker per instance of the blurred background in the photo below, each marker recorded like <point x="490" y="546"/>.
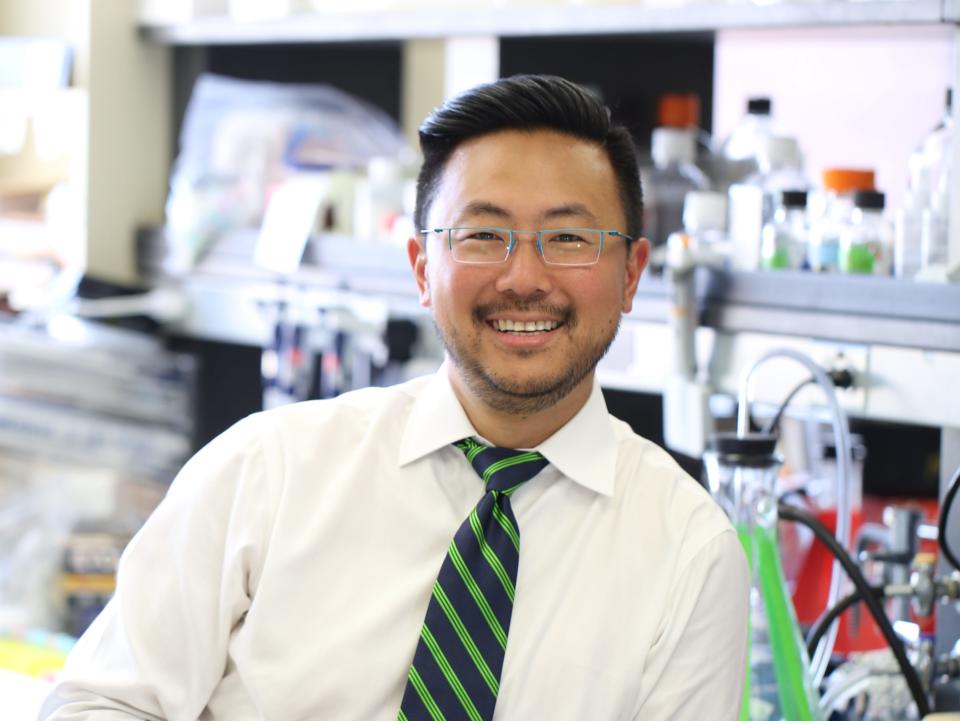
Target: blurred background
<point x="203" y="212"/>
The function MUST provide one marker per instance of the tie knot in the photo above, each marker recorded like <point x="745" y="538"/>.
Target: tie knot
<point x="502" y="469"/>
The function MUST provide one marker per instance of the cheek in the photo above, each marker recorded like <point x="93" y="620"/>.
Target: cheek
<point x="453" y="288"/>
<point x="601" y="302"/>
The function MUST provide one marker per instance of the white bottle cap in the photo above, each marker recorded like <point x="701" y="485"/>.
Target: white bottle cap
<point x="673" y="145"/>
<point x="704" y="210"/>
<point x="778" y="151"/>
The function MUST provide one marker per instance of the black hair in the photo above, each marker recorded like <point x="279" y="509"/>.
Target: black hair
<point x="527" y="102"/>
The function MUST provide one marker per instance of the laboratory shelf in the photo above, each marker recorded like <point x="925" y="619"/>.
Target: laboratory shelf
<point x="901" y="338"/>
<point x="853" y="309"/>
<point x="545" y="20"/>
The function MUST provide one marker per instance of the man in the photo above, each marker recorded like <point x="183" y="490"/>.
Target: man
<point x="301" y="566"/>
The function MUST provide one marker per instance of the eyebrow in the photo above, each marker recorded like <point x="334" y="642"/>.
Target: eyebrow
<point x="482" y="207"/>
<point x="575" y="209"/>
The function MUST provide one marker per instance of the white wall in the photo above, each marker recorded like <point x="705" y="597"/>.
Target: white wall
<point x="861" y="97"/>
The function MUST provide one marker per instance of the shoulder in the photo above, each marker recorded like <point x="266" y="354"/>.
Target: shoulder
<point x="361" y="411"/>
<point x="675" y="508"/>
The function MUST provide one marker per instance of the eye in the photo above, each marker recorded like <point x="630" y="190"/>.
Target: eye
<point x="479" y="235"/>
<point x="567" y="238"/>
<point x="571" y="238"/>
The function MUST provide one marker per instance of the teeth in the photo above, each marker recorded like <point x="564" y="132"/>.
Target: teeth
<point x="529" y="326"/>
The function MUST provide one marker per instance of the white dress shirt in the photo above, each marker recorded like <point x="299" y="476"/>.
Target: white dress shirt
<point x="287" y="573"/>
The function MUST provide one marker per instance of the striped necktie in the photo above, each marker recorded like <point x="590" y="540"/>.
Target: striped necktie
<point x="455" y="675"/>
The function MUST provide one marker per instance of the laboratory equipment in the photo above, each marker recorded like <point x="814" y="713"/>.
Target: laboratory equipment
<point x="741" y="474"/>
<point x="841" y="434"/>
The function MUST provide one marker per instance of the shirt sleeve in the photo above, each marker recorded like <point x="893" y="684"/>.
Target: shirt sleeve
<point x="696" y="668"/>
<point x="159" y="648"/>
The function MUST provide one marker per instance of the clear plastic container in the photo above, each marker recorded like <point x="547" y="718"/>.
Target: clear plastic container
<point x="742" y="149"/>
<point x="784" y="237"/>
<point x="666" y="184"/>
<point x="830" y="212"/>
<point x="741" y="475"/>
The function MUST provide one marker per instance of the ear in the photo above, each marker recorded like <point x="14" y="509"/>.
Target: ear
<point x="637" y="256"/>
<point x="417" y="253"/>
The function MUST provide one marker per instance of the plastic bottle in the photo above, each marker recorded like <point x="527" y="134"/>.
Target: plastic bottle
<point x="741" y="150"/>
<point x="752" y="202"/>
<point x="672" y="176"/>
<point x="907" y="238"/>
<point x="865" y="245"/>
<point x="830" y="212"/>
<point x="784" y="244"/>
<point x="937" y="154"/>
<point x="935" y="148"/>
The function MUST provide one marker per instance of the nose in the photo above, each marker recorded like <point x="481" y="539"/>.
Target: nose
<point x="525" y="275"/>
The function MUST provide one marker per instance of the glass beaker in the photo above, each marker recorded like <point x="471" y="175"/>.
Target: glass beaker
<point x="741" y="475"/>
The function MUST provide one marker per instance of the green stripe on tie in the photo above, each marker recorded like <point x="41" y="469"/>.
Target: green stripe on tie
<point x="466" y="639"/>
<point x="482" y="603"/>
<point x="435" y="713"/>
<point x="507" y="525"/>
<point x="507" y="462"/>
<point x="495" y="564"/>
<point x="455" y="684"/>
<point x="470" y="447"/>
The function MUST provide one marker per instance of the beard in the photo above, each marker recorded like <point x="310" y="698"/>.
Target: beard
<point x="528" y="396"/>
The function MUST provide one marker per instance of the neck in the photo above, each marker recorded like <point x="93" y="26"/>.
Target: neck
<point x="518" y="430"/>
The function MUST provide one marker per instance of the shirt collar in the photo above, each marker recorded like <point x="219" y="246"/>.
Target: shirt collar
<point x="584" y="449"/>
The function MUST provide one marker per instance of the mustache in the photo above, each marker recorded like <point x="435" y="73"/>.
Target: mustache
<point x="564" y="312"/>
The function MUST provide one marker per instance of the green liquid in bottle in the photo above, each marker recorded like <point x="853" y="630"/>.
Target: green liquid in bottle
<point x="779" y="684"/>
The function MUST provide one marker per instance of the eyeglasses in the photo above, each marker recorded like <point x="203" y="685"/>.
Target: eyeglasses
<point x="557" y="246"/>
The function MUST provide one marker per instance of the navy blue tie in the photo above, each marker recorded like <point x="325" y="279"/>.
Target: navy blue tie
<point x="455" y="675"/>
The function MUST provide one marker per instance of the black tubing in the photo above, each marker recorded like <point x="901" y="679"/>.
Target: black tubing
<point x="820" y="626"/>
<point x="792" y="513"/>
<point x="772" y="423"/>
<point x="944" y="517"/>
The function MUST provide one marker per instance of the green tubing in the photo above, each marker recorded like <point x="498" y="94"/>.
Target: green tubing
<point x="746" y="540"/>
<point x="796" y="695"/>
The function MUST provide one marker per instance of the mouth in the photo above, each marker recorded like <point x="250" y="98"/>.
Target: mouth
<point x="524" y="327"/>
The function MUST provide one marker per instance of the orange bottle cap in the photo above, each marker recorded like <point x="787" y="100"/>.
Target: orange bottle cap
<point x="846" y="180"/>
<point x="678" y="110"/>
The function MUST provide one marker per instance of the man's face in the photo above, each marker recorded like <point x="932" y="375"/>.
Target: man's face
<point x="526" y="181"/>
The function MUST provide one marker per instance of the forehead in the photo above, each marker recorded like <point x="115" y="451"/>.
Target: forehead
<point x="527" y="173"/>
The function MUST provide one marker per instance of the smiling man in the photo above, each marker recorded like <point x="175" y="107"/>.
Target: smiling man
<point x="485" y="543"/>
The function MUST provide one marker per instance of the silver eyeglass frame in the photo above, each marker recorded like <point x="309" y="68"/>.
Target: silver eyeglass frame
<point x="512" y="244"/>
